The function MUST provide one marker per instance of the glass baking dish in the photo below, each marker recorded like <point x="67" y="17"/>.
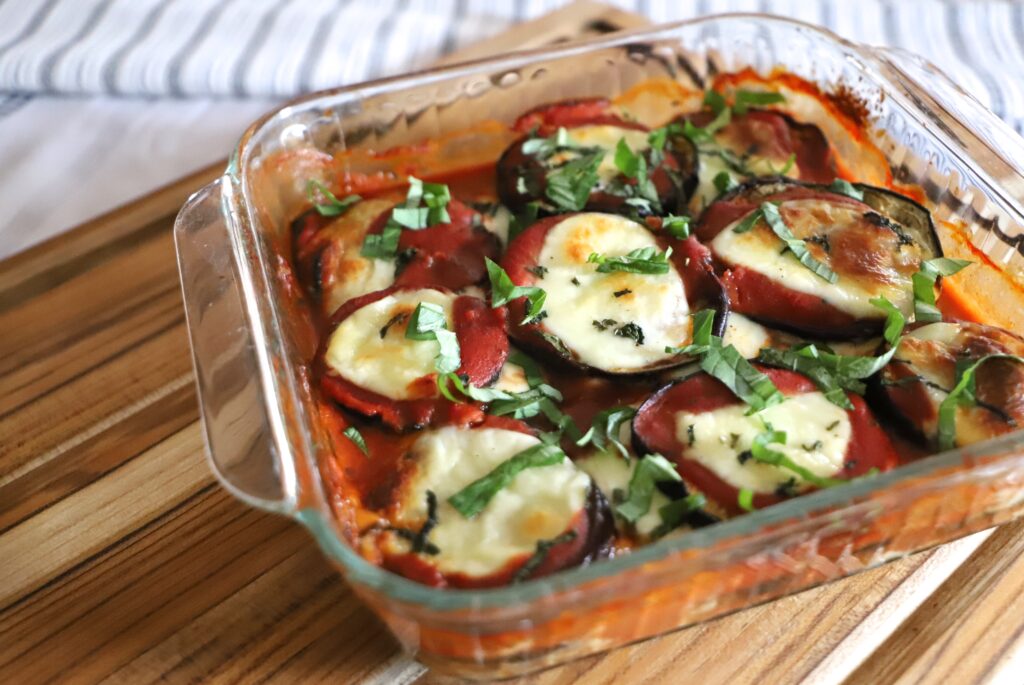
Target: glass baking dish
<point x="251" y="349"/>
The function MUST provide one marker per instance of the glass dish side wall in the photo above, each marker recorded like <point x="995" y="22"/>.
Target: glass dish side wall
<point x="676" y="582"/>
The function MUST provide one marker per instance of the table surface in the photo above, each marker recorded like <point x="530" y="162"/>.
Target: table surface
<point x="122" y="560"/>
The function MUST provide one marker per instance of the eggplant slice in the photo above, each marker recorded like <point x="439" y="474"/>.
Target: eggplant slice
<point x="580" y="131"/>
<point x="759" y="143"/>
<point x="699" y="425"/>
<point x="368" y="365"/>
<point x="615" y="322"/>
<point x="546" y="518"/>
<point x="870" y="254"/>
<point x="923" y="371"/>
<point x="449" y="255"/>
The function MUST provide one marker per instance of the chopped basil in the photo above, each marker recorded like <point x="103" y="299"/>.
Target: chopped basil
<point x="746" y="499"/>
<point x="674" y="513"/>
<point x="632" y="331"/>
<point x="745" y="98"/>
<point x="795" y="245"/>
<point x="643" y="260"/>
<point x="333" y="206"/>
<point x="846" y="188"/>
<point x="353" y="434"/>
<point x="410" y="215"/>
<point x="724" y="182"/>
<point x="764" y="454"/>
<point x="472" y="499"/>
<point x="786" y="166"/>
<point x="649" y="471"/>
<point x="963" y="394"/>
<point x="627" y="161"/>
<point x="604" y="324"/>
<point x="426" y="320"/>
<point x="538" y="557"/>
<point x="748" y="221"/>
<point x="523" y="220"/>
<point x="419" y="539"/>
<point x="569" y="185"/>
<point x="676" y="226"/>
<point x="924" y="286"/>
<point x="463" y="385"/>
<point x="726" y="364"/>
<point x="529" y="403"/>
<point x="604" y="431"/>
<point x="545" y="147"/>
<point x="503" y="290"/>
<point x="894" y="320"/>
<point x="706" y="134"/>
<point x="429" y="322"/>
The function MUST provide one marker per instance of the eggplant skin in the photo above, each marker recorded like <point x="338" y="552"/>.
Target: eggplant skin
<point x="674" y="185"/>
<point x="915" y="218"/>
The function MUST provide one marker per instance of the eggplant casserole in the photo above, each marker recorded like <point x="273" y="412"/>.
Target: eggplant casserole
<point x="618" y="332"/>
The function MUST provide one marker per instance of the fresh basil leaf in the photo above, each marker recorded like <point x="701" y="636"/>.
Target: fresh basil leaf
<point x="569" y="185"/>
<point x="383" y="245"/>
<point x="657" y="138"/>
<point x="632" y="331"/>
<point x="534" y="376"/>
<point x="675" y="512"/>
<point x="529" y="403"/>
<point x="353" y="434"/>
<point x="846" y="188"/>
<point x="745" y="98"/>
<point x="435" y="196"/>
<point x="522" y="221"/>
<point x="503" y="290"/>
<point x="676" y="226"/>
<point x="749" y="221"/>
<point x="764" y="454"/>
<point x="750" y="385"/>
<point x="715" y="101"/>
<point x="649" y="471"/>
<point x="832" y="387"/>
<point x="724" y="182"/>
<point x="895" y="322"/>
<point x="605" y="430"/>
<point x="426" y="320"/>
<point x="786" y="166"/>
<point x="925" y="309"/>
<point x="473" y="498"/>
<point x="702" y="325"/>
<point x="627" y="161"/>
<point x="543" y="148"/>
<point x="448" y="359"/>
<point x="963" y="394"/>
<point x="745" y="499"/>
<point x="643" y="260"/>
<point x="469" y="390"/>
<point x="795" y="245"/>
<point x="333" y="206"/>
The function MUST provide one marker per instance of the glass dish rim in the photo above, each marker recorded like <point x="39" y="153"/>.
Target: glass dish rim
<point x="357" y="569"/>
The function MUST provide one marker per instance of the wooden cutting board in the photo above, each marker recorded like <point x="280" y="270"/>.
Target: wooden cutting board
<point x="121" y="560"/>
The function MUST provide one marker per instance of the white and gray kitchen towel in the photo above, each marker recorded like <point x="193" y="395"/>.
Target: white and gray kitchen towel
<point x="105" y="99"/>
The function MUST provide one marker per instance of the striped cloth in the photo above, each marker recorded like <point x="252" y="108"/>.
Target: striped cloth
<point x="103" y="100"/>
<point x="279" y="48"/>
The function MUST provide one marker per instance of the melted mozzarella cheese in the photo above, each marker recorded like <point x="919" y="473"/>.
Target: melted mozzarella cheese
<point x="748" y="337"/>
<point x="711" y="165"/>
<point x="818" y="435"/>
<point x="498" y="222"/>
<point x="606" y="137"/>
<point x="758" y="250"/>
<point x="539" y="503"/>
<point x="512" y="378"/>
<point x="656" y="303"/>
<point x="610" y="473"/>
<point x="348" y="274"/>
<point x="389" y="365"/>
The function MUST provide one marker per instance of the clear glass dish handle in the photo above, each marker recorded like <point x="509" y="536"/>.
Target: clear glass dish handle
<point x="234" y="415"/>
<point x="968" y="119"/>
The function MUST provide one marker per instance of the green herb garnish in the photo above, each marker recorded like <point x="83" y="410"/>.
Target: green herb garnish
<point x="764" y="454"/>
<point x="643" y="260"/>
<point x="541" y="553"/>
<point x="429" y="322"/>
<point x="409" y="215"/>
<point x="846" y="188"/>
<point x="924" y="286"/>
<point x="604" y="431"/>
<point x="632" y="331"/>
<point x="676" y="226"/>
<point x="746" y="499"/>
<point x="333" y="206"/>
<point x="795" y="245"/>
<point x="724" y="182"/>
<point x="675" y="512"/>
<point x="569" y="185"/>
<point x="353" y="434"/>
<point x="472" y="499"/>
<point x="745" y="98"/>
<point x="503" y="290"/>
<point x="963" y="394"/>
<point x="649" y="471"/>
